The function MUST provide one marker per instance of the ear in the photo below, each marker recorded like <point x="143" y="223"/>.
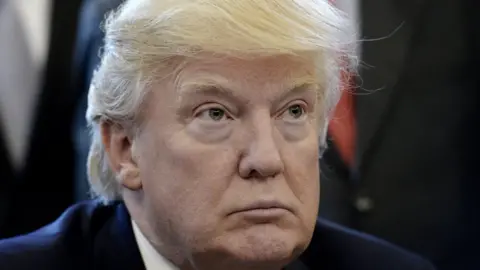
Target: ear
<point x="118" y="147"/>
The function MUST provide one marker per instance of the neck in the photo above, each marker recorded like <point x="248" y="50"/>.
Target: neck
<point x="224" y="262"/>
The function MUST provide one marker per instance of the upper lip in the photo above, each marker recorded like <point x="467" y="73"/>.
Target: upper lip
<point x="263" y="204"/>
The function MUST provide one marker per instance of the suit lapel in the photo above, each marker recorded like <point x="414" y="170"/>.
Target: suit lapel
<point x="7" y="175"/>
<point x="387" y="28"/>
<point x="118" y="249"/>
<point x="296" y="265"/>
<point x="56" y="77"/>
<point x="7" y="184"/>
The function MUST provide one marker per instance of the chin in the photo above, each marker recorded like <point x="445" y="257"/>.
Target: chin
<point x="264" y="244"/>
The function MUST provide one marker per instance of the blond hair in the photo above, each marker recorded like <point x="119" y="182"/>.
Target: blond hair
<point x="142" y="36"/>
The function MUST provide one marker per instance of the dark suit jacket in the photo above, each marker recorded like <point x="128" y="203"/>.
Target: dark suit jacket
<point x="415" y="180"/>
<point x="27" y="199"/>
<point x="94" y="236"/>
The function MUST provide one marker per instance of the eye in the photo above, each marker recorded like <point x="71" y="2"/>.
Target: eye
<point x="213" y="114"/>
<point x="294" y="112"/>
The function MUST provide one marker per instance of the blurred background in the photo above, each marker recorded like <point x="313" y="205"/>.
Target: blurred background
<point x="403" y="145"/>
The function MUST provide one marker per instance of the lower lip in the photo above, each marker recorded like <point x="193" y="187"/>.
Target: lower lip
<point x="265" y="214"/>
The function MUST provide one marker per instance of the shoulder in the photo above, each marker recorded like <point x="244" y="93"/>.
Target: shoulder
<point x="64" y="244"/>
<point x="346" y="249"/>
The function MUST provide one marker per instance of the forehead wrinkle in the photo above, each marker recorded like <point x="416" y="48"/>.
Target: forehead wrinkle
<point x="234" y="78"/>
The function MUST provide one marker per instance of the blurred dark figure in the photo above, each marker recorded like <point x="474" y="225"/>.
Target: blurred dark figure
<point x="87" y="56"/>
<point x="412" y="177"/>
<point x="36" y="185"/>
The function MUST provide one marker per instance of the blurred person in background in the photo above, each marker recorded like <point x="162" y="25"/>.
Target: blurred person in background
<point x="36" y="157"/>
<point x="403" y="157"/>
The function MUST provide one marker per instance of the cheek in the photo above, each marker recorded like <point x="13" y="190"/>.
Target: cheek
<point x="302" y="172"/>
<point x="188" y="181"/>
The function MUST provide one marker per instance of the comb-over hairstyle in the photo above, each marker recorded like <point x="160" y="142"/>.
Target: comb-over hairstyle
<point x="143" y="37"/>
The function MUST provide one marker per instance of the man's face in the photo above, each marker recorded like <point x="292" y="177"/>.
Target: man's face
<point x="228" y="159"/>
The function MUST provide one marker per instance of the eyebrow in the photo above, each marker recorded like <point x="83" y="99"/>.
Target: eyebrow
<point x="209" y="89"/>
<point x="217" y="90"/>
<point x="297" y="89"/>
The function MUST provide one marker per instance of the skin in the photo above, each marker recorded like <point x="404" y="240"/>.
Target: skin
<point x="219" y="135"/>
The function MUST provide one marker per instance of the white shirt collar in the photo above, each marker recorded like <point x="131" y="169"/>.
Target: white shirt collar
<point x="151" y="258"/>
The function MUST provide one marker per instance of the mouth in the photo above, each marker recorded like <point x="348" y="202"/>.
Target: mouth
<point x="263" y="211"/>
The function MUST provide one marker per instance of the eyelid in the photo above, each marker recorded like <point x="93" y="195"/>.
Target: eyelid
<point x="210" y="105"/>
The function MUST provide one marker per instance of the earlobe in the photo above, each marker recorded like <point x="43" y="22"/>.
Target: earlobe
<point x="129" y="176"/>
<point x="119" y="150"/>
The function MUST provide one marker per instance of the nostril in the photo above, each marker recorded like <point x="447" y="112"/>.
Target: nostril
<point x="254" y="174"/>
<point x="261" y="166"/>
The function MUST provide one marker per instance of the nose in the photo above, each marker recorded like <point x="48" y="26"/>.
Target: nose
<point x="262" y="158"/>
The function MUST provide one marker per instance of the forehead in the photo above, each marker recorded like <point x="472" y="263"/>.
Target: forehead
<point x="241" y="75"/>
